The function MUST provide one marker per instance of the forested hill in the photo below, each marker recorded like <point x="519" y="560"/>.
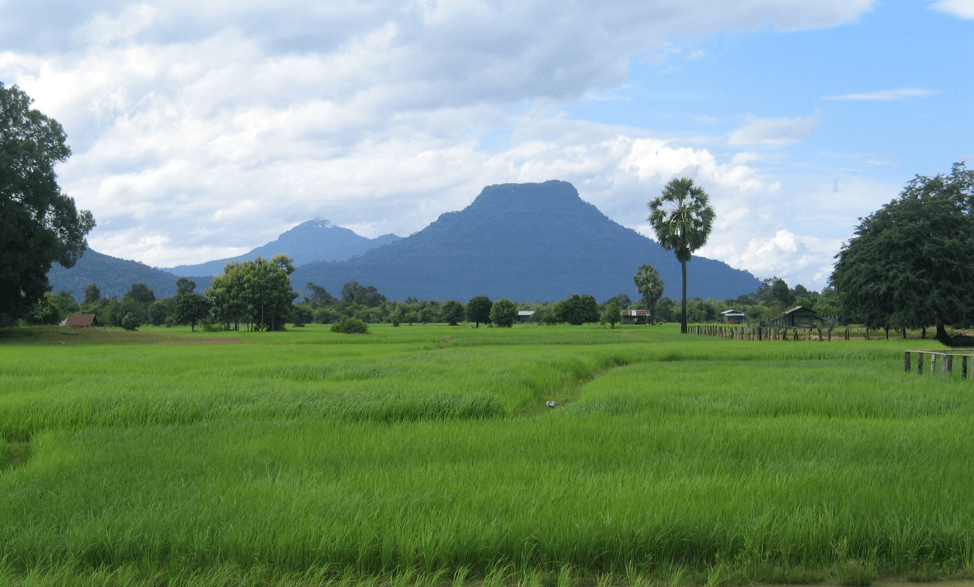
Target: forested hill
<point x="525" y="242"/>
<point x="315" y="240"/>
<point x="114" y="277"/>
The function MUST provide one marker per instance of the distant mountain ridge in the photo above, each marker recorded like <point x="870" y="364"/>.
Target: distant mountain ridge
<point x="525" y="242"/>
<point x="314" y="240"/>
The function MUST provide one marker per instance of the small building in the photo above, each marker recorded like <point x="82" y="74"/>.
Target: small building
<point x="635" y="317"/>
<point x="798" y="317"/>
<point x="733" y="316"/>
<point x="524" y="316"/>
<point x="81" y="320"/>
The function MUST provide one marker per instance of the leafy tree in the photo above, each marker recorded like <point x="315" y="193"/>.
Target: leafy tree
<point x="452" y="312"/>
<point x="92" y="294"/>
<point x="612" y="314"/>
<point x="258" y="291"/>
<point x="909" y="263"/>
<point x="478" y="310"/>
<point x="192" y="308"/>
<point x="780" y="292"/>
<point x="682" y="219"/>
<point x="319" y="297"/>
<point x="577" y="309"/>
<point x="39" y="225"/>
<point x="185" y="286"/>
<point x="141" y="293"/>
<point x="503" y="313"/>
<point x="621" y="300"/>
<point x="162" y="312"/>
<point x="649" y="285"/>
<point x="353" y="293"/>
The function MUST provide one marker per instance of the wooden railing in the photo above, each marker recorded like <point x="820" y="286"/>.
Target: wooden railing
<point x="943" y="359"/>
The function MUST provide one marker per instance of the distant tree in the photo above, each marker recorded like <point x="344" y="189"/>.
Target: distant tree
<point x="185" y="286"/>
<point x="353" y="293"/>
<point x="451" y="312"/>
<point x="92" y="294"/>
<point x="395" y="317"/>
<point x="162" y="312"/>
<point x="141" y="293"/>
<point x="258" y="291"/>
<point x="351" y="326"/>
<point x="682" y="219"/>
<point x="611" y="314"/>
<point x="319" y="297"/>
<point x="192" y="308"/>
<point x="39" y="225"/>
<point x="622" y="300"/>
<point x="909" y="263"/>
<point x="649" y="285"/>
<point x="780" y="292"/>
<point x="503" y="313"/>
<point x="577" y="309"/>
<point x="478" y="310"/>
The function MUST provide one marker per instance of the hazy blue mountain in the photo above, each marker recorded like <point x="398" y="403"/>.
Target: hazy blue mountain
<point x="315" y="240"/>
<point x="525" y="242"/>
<point x="113" y="277"/>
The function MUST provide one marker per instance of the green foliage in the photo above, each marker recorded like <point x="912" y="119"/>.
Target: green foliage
<point x="92" y="294"/>
<point x="611" y="314"/>
<point x="503" y="313"/>
<point x="257" y="291"/>
<point x="192" y="308"/>
<point x="39" y="225"/>
<point x="353" y="293"/>
<point x="452" y="312"/>
<point x="682" y="219"/>
<point x="184" y="286"/>
<point x="319" y="297"/>
<point x="577" y="310"/>
<point x="649" y="285"/>
<point x="909" y="263"/>
<point x="130" y="321"/>
<point x="478" y="310"/>
<point x="351" y="326"/>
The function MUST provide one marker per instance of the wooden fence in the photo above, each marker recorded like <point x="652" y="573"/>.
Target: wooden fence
<point x="943" y="359"/>
<point x="765" y="332"/>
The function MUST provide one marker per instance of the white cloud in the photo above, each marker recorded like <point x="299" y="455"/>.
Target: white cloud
<point x="203" y="129"/>
<point x="774" y="131"/>
<point x="958" y="8"/>
<point x="885" y="95"/>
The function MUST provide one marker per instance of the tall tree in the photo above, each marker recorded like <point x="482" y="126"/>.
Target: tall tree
<point x="478" y="310"/>
<point x="452" y="312"/>
<point x="909" y="263"/>
<point x="503" y="313"/>
<point x="682" y="219"/>
<point x="38" y="223"/>
<point x="649" y="285"/>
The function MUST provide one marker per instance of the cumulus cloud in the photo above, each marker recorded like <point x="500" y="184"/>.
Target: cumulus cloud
<point x="958" y="8"/>
<point x="201" y="130"/>
<point x="774" y="131"/>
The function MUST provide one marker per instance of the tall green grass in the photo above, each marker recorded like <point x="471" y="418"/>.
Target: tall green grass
<point x="429" y="455"/>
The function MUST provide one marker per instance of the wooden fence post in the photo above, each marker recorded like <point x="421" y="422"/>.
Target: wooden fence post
<point x="906" y="361"/>
<point x="919" y="363"/>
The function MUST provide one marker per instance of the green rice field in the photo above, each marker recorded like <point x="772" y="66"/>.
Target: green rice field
<point x="426" y="455"/>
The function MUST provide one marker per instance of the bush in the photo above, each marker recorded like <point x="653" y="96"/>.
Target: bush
<point x="351" y="326"/>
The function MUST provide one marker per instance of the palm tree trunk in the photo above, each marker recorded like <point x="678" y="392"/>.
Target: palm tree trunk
<point x="683" y="319"/>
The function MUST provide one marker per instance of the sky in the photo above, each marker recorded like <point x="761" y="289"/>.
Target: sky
<point x="202" y="129"/>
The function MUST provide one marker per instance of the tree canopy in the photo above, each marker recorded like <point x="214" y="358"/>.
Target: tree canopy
<point x="503" y="313"/>
<point x="39" y="225"/>
<point x="682" y="219"/>
<point x="649" y="285"/>
<point x="909" y="263"/>
<point x="478" y="310"/>
<point x="257" y="291"/>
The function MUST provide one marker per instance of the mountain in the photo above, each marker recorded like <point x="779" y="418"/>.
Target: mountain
<point x="525" y="242"/>
<point x="315" y="240"/>
<point x="113" y="276"/>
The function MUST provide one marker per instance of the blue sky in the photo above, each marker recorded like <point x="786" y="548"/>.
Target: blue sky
<point x="204" y="129"/>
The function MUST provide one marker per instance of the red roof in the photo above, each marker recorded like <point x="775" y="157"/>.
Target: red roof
<point x="81" y="320"/>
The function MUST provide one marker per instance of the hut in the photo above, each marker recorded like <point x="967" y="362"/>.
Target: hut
<point x="798" y="317"/>
<point x="81" y="320"/>
<point x="635" y="317"/>
<point x="733" y="316"/>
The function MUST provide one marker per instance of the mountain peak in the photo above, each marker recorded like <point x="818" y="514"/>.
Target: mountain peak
<point x="527" y="196"/>
<point x="316" y="223"/>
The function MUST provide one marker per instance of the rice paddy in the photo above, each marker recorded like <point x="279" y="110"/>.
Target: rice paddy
<point x="427" y="455"/>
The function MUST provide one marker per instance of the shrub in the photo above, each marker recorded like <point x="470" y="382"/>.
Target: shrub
<point x="351" y="326"/>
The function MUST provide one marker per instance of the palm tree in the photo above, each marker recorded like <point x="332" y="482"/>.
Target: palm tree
<point x="682" y="219"/>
